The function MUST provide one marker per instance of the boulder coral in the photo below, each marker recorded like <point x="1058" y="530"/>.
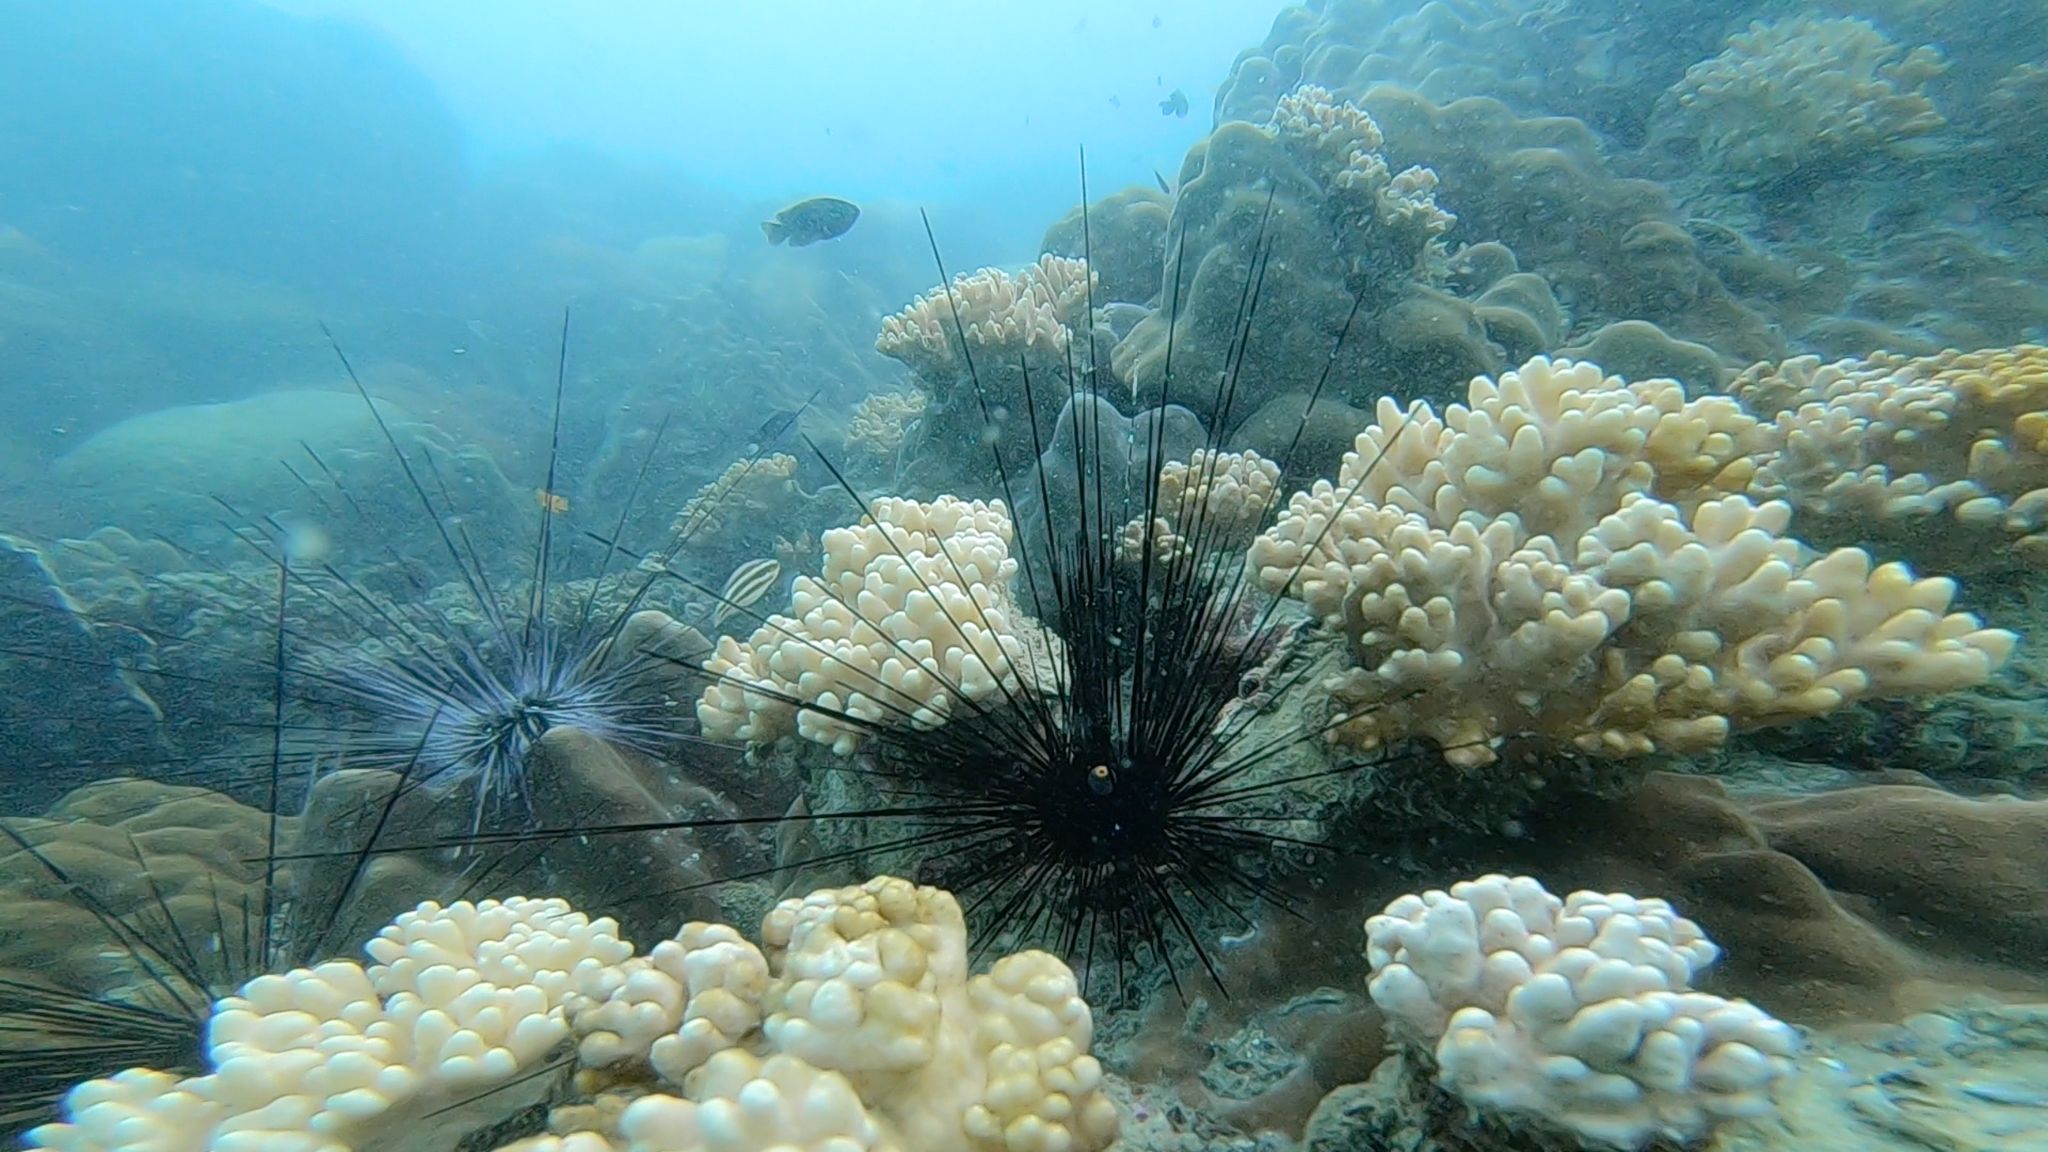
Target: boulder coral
<point x="1343" y="232"/>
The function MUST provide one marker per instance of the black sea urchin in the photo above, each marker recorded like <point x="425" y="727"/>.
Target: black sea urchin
<point x="1111" y="814"/>
<point x="1128" y="804"/>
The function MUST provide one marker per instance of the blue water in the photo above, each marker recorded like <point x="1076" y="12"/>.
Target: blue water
<point x="367" y="366"/>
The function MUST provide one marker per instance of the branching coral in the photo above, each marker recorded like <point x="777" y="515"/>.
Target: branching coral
<point x="881" y="422"/>
<point x="855" y="1025"/>
<point x="1569" y="559"/>
<point x="1004" y="317"/>
<point x="914" y="608"/>
<point x="1228" y="494"/>
<point x="1803" y="93"/>
<point x="1575" y="1013"/>
<point x="1341" y="142"/>
<point x="1888" y="437"/>
<point x="748" y="489"/>
<point x="460" y="999"/>
<point x="1020" y="348"/>
<point x="858" y="1026"/>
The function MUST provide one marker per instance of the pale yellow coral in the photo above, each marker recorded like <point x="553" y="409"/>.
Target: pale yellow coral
<point x="1958" y="433"/>
<point x="1569" y="558"/>
<point x="749" y="489"/>
<point x="1342" y="144"/>
<point x="1792" y="93"/>
<point x="1221" y="496"/>
<point x="1002" y="315"/>
<point x="881" y="422"/>
<point x="911" y="620"/>
<point x="1312" y="118"/>
<point x="859" y="1027"/>
<point x="869" y="1033"/>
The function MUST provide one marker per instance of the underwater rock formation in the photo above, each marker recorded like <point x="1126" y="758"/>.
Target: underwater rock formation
<point x="138" y="853"/>
<point x="1639" y="350"/>
<point x="1612" y="248"/>
<point x="1094" y="449"/>
<point x="73" y="690"/>
<point x="311" y="457"/>
<point x="1339" y="231"/>
<point x="1598" y="61"/>
<point x="1125" y="243"/>
<point x="1965" y="873"/>
<point x="579" y="782"/>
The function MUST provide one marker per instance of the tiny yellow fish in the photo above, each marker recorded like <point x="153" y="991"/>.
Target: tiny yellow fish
<point x="550" y="502"/>
<point x="745" y="587"/>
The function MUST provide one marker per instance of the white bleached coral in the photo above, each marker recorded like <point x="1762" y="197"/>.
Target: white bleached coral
<point x="882" y="422"/>
<point x="858" y="1027"/>
<point x="871" y="1034"/>
<point x="1569" y="559"/>
<point x="1805" y="93"/>
<point x="1962" y="434"/>
<point x="689" y="997"/>
<point x="1341" y="142"/>
<point x="1577" y="1013"/>
<point x="912" y="618"/>
<point x="1033" y="312"/>
<point x="462" y="999"/>
<point x="1222" y="497"/>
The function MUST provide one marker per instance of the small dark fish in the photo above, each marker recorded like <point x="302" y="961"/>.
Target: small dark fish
<point x="1156" y="21"/>
<point x="1116" y="101"/>
<point x="1175" y="105"/>
<point x="1163" y="185"/>
<point x="809" y="221"/>
<point x="779" y="422"/>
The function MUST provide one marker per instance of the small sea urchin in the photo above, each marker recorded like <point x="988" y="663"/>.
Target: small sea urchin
<point x="446" y="699"/>
<point x="458" y="709"/>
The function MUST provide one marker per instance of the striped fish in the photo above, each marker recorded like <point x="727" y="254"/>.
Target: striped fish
<point x="747" y="584"/>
